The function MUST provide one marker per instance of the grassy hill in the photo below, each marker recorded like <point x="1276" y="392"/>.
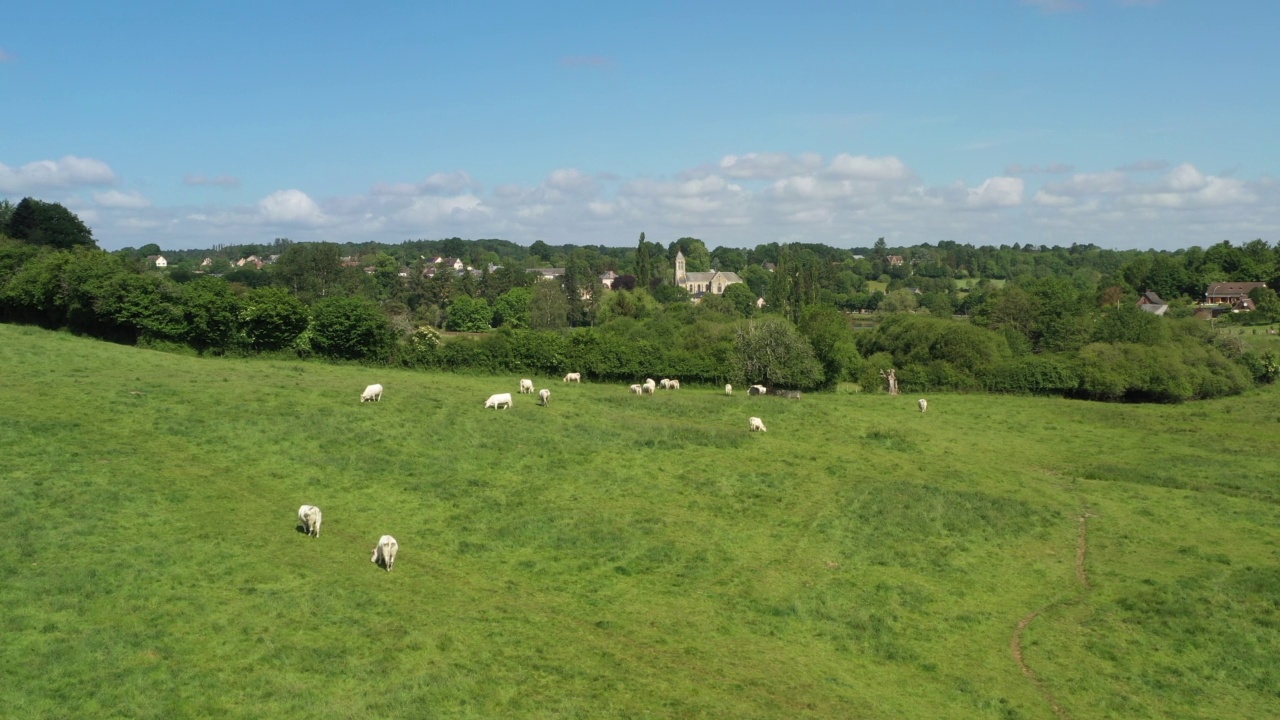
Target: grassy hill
<point x="619" y="556"/>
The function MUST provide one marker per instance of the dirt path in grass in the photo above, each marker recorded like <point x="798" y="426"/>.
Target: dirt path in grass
<point x="1015" y="643"/>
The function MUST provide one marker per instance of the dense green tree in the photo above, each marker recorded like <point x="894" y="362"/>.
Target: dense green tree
<point x="770" y="351"/>
<point x="310" y="270"/>
<point x="728" y="259"/>
<point x="696" y="256"/>
<point x="212" y="314"/>
<point x="350" y="328"/>
<point x="6" y="212"/>
<point x="541" y="251"/>
<point x="644" y="264"/>
<point x="670" y="294"/>
<point x="44" y="223"/>
<point x="512" y="308"/>
<point x="548" y="307"/>
<point x="743" y="300"/>
<point x="902" y="300"/>
<point x="831" y="335"/>
<point x="1127" y="323"/>
<point x="272" y="318"/>
<point x="468" y="314"/>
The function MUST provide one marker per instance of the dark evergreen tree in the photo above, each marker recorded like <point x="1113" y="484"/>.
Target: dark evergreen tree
<point x="42" y="223"/>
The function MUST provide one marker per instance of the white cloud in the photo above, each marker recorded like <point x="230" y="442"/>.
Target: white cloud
<point x="573" y="182"/>
<point x="996" y="192"/>
<point x="291" y="207"/>
<point x="1048" y="199"/>
<point x="843" y="202"/>
<point x="1185" y="177"/>
<point x="118" y="199"/>
<point x="866" y="168"/>
<point x="69" y="172"/>
<point x="768" y="166"/>
<point x="1052" y="169"/>
<point x="441" y="183"/>
<point x="1113" y="182"/>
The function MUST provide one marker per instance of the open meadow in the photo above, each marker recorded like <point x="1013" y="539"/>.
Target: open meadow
<point x="620" y="556"/>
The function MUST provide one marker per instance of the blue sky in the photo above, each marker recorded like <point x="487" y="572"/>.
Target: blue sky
<point x="1126" y="123"/>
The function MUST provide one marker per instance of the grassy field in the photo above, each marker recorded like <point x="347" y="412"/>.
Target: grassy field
<point x="619" y="556"/>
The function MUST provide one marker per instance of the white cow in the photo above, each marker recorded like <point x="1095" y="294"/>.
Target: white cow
<point x="573" y="377"/>
<point x="728" y="389"/>
<point x="498" y="400"/>
<point x="526" y="386"/>
<point x="544" y="397"/>
<point x="673" y="384"/>
<point x="384" y="553"/>
<point x="758" y="390"/>
<point x="924" y="404"/>
<point x="756" y="424"/>
<point x="664" y="383"/>
<point x="373" y="393"/>
<point x="637" y="389"/>
<point x="649" y="386"/>
<point x="309" y="516"/>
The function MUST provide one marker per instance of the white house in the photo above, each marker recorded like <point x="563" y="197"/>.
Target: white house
<point x="157" y="260"/>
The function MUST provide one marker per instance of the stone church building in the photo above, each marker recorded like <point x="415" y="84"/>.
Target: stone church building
<point x="701" y="283"/>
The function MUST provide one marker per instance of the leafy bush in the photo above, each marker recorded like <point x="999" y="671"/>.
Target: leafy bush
<point x="468" y="314"/>
<point x="1033" y="374"/>
<point x="350" y="328"/>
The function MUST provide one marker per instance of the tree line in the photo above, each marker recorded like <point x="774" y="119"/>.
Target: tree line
<point x="1058" y="321"/>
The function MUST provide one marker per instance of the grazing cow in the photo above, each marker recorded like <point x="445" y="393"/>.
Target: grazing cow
<point x="758" y="390"/>
<point x="664" y="383"/>
<point x="573" y="377"/>
<point x="309" y="516"/>
<point x="649" y="386"/>
<point x="637" y="389"/>
<point x="498" y="400"/>
<point x="673" y="384"/>
<point x="373" y="393"/>
<point x="526" y="386"/>
<point x="924" y="404"/>
<point x="728" y="389"/>
<point x="756" y="424"/>
<point x="544" y="397"/>
<point x="384" y="553"/>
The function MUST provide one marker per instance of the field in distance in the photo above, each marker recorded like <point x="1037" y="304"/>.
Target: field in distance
<point x="619" y="556"/>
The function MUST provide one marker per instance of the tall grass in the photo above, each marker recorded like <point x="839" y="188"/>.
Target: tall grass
<point x="614" y="555"/>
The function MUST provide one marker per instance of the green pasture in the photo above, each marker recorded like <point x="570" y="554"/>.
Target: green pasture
<point x="615" y="556"/>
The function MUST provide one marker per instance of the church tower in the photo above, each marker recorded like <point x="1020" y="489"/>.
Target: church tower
<point x="680" y="274"/>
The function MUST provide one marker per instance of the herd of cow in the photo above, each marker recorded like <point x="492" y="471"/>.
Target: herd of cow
<point x="384" y="553"/>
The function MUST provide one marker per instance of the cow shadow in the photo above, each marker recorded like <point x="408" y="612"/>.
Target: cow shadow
<point x="300" y="528"/>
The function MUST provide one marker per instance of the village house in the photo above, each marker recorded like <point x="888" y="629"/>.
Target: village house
<point x="1233" y="294"/>
<point x="607" y="278"/>
<point x="547" y="273"/>
<point x="454" y="264"/>
<point x="1152" y="303"/>
<point x="157" y="261"/>
<point x="701" y="283"/>
<point x="895" y="260"/>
